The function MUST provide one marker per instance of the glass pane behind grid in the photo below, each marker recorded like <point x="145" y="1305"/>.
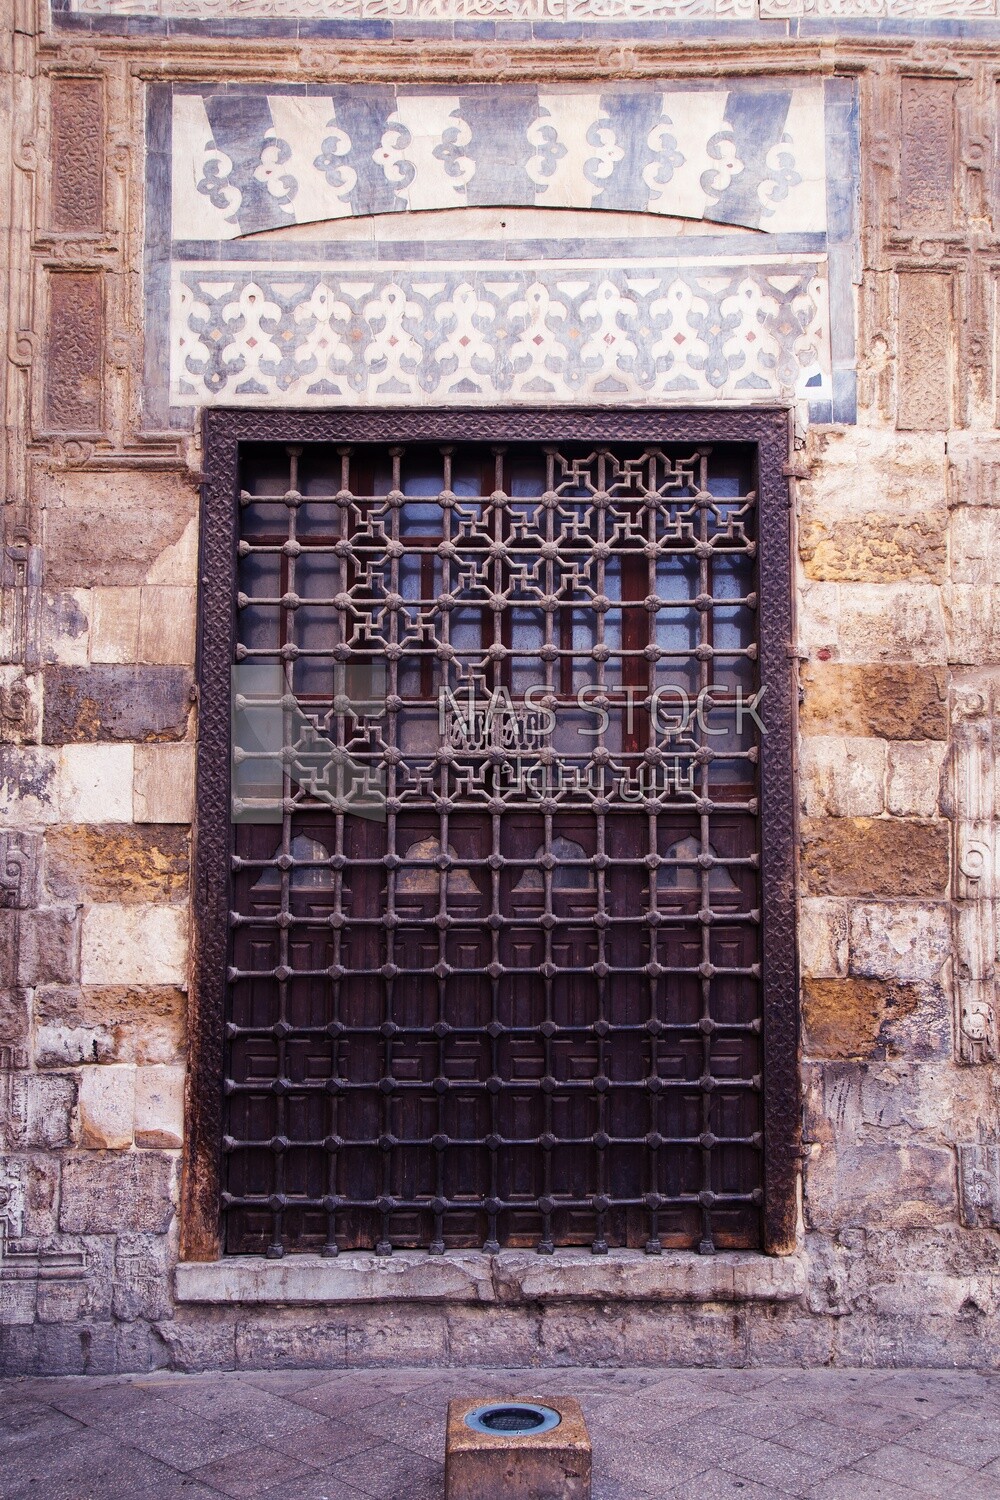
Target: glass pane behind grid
<point x="508" y="992"/>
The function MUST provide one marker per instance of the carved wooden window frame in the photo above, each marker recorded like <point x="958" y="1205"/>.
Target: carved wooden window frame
<point x="224" y="430"/>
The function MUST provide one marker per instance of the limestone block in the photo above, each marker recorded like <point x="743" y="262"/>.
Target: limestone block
<point x="865" y="1018"/>
<point x="875" y="548"/>
<point x="899" y="1186"/>
<point x="92" y="538"/>
<point x="979" y="1185"/>
<point x="132" y="703"/>
<point x="882" y="622"/>
<point x="860" y="470"/>
<point x="822" y="937"/>
<point x="107" y="1107"/>
<point x="134" y="945"/>
<point x="20" y="705"/>
<point x="895" y="702"/>
<point x="14" y="1016"/>
<point x="29" y="786"/>
<point x="819" y="617"/>
<point x="164" y="783"/>
<point x="49" y="946"/>
<point x="114" y="629"/>
<point x="65" y="627"/>
<point x="913" y="787"/>
<point x="141" y="1285"/>
<point x="167" y="626"/>
<point x="111" y="1192"/>
<point x="39" y="1111"/>
<point x="137" y="1024"/>
<point x="68" y="1046"/>
<point x="20" y="869"/>
<point x="177" y="564"/>
<point x="159" y="1106"/>
<point x="973" y="615"/>
<point x="101" y="862"/>
<point x="974" y="468"/>
<point x="875" y="856"/>
<point x="908" y="941"/>
<point x="974" y="545"/>
<point x="842" y="776"/>
<point x="95" y="783"/>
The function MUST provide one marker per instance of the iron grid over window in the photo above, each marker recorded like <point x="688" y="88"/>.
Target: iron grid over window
<point x="506" y="924"/>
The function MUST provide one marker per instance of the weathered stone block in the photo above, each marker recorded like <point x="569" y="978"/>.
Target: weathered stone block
<point x="28" y="786"/>
<point x="974" y="545"/>
<point x="164" y="784"/>
<point x="49" y="947"/>
<point x="59" y="1046"/>
<point x="974" y="468"/>
<point x="858" y="471"/>
<point x="14" y="1013"/>
<point x="20" y="869"/>
<point x="973" y="614"/>
<point x="95" y="783"/>
<point x="855" y="1017"/>
<point x="115" y="625"/>
<point x="84" y="704"/>
<point x="107" y="1107"/>
<point x="913" y="785"/>
<point x="65" y="627"/>
<point x="979" y="1185"/>
<point x="38" y="1110"/>
<point x="167" y="628"/>
<point x="870" y="856"/>
<point x="114" y="1024"/>
<point x="897" y="622"/>
<point x="141" y="1286"/>
<point x="900" y="1186"/>
<point x="20" y="705"/>
<point x="822" y="937"/>
<point x="875" y="548"/>
<point x="900" y="702"/>
<point x="115" y="1192"/>
<point x="159" y="1106"/>
<point x="10" y="925"/>
<point x="899" y="940"/>
<point x="92" y="538"/>
<point x="134" y="945"/>
<point x="842" y="777"/>
<point x="117" y="863"/>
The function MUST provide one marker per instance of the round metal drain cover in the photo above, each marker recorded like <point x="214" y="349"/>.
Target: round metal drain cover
<point x="512" y="1418"/>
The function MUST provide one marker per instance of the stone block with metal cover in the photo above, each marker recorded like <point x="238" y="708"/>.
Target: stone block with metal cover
<point x="517" y="1450"/>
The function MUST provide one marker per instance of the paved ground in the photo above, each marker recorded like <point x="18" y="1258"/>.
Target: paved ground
<point x="697" y="1434"/>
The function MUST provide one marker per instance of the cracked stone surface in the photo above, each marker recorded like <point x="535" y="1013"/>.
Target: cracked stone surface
<point x="658" y="1434"/>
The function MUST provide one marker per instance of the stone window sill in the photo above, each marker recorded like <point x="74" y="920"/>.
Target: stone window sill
<point x="512" y="1276"/>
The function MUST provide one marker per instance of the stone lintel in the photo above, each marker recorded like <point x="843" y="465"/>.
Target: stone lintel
<point x="510" y="1277"/>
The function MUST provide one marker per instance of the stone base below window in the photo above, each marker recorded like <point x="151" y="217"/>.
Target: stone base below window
<point x="510" y="1277"/>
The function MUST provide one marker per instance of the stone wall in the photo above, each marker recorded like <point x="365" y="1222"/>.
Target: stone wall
<point x="899" y="657"/>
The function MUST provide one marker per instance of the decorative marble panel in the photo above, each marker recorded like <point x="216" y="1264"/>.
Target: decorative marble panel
<point x="381" y="16"/>
<point x="718" y="270"/>
<point x="534" y="334"/>
<point x="248" y="161"/>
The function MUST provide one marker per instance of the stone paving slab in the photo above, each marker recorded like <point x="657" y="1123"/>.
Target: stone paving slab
<point x="658" y="1434"/>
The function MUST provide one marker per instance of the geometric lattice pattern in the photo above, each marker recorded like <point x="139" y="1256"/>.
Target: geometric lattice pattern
<point x="511" y="994"/>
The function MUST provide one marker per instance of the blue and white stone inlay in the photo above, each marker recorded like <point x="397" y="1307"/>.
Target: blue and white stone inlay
<point x="248" y="161"/>
<point x="644" y="243"/>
